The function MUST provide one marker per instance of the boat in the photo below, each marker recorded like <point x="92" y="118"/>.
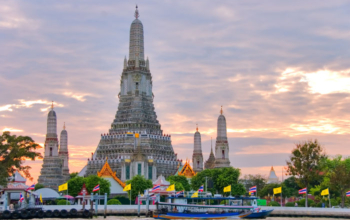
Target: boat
<point x="237" y="207"/>
<point x="189" y="211"/>
<point x="253" y="201"/>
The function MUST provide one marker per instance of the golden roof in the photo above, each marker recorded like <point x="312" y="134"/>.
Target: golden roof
<point x="187" y="171"/>
<point x="106" y="171"/>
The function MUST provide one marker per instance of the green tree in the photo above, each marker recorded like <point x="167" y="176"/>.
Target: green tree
<point x="199" y="179"/>
<point x="290" y="187"/>
<point x="14" y="150"/>
<point x="93" y="180"/>
<point x="180" y="179"/>
<point x="305" y="163"/>
<point x="73" y="175"/>
<point x="253" y="180"/>
<point x="268" y="189"/>
<point x="221" y="178"/>
<point x="38" y="186"/>
<point x="75" y="185"/>
<point x="338" y="171"/>
<point x="138" y="185"/>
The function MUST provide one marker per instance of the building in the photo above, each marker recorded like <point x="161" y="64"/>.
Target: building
<point x="186" y="170"/>
<point x="197" y="156"/>
<point x="54" y="171"/>
<point x="221" y="146"/>
<point x="210" y="163"/>
<point x="135" y="143"/>
<point x="117" y="185"/>
<point x="63" y="152"/>
<point x="272" y="177"/>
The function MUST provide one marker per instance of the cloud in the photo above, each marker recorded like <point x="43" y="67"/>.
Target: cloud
<point x="280" y="70"/>
<point x="12" y="130"/>
<point x="29" y="104"/>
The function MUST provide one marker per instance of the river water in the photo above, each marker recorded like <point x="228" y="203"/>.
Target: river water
<point x="135" y="218"/>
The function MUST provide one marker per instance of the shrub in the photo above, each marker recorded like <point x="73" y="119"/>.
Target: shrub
<point x="290" y="204"/>
<point x="123" y="200"/>
<point x="301" y="202"/>
<point x="114" y="202"/>
<point x="273" y="203"/>
<point x="63" y="202"/>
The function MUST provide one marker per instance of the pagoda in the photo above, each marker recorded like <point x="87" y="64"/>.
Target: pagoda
<point x="186" y="170"/>
<point x="135" y="143"/>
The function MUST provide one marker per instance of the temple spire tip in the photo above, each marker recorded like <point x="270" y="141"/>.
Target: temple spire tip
<point x="221" y="111"/>
<point x="137" y="15"/>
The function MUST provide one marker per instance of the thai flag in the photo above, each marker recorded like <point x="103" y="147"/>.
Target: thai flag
<point x="96" y="188"/>
<point x="180" y="193"/>
<point x="32" y="187"/>
<point x="201" y="188"/>
<point x="302" y="191"/>
<point x="252" y="189"/>
<point x="21" y="198"/>
<point x="156" y="188"/>
<point x="348" y="193"/>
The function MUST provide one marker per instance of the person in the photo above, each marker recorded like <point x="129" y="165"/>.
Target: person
<point x="296" y="204"/>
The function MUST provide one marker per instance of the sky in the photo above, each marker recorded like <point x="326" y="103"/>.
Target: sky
<point x="280" y="69"/>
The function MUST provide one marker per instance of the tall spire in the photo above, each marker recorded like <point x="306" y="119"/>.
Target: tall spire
<point x="52" y="105"/>
<point x="221" y="111"/>
<point x="64" y="125"/>
<point x="136" y="48"/>
<point x="211" y="144"/>
<point x="197" y="127"/>
<point x="137" y="15"/>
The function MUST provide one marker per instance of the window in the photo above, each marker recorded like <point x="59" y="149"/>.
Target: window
<point x="150" y="172"/>
<point x="139" y="169"/>
<point x="137" y="85"/>
<point x="223" y="154"/>
<point x="198" y="163"/>
<point x="127" y="172"/>
<point x="50" y="151"/>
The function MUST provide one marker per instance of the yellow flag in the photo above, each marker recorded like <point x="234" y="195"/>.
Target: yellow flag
<point x="171" y="188"/>
<point x="63" y="187"/>
<point x="277" y="190"/>
<point x="195" y="195"/>
<point x="325" y="192"/>
<point x="41" y="198"/>
<point x="127" y="188"/>
<point x="227" y="188"/>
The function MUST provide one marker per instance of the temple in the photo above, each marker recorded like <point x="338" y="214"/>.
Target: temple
<point x="107" y="173"/>
<point x="272" y="176"/>
<point x="186" y="170"/>
<point x="135" y="143"/>
<point x="197" y="156"/>
<point x="210" y="163"/>
<point x="221" y="146"/>
<point x="54" y="171"/>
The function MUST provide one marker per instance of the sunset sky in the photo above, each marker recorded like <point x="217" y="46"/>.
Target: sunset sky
<point x="281" y="70"/>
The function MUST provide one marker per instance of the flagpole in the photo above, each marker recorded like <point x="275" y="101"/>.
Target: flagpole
<point x="329" y="198"/>
<point x="130" y="195"/>
<point x="281" y="189"/>
<point x="67" y="195"/>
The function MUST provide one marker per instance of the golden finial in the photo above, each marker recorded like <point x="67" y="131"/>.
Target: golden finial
<point x="197" y="127"/>
<point x="221" y="110"/>
<point x="64" y="125"/>
<point x="106" y="158"/>
<point x="52" y="105"/>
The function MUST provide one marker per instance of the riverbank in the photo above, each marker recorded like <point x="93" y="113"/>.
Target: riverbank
<point x="132" y="210"/>
<point x="308" y="212"/>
